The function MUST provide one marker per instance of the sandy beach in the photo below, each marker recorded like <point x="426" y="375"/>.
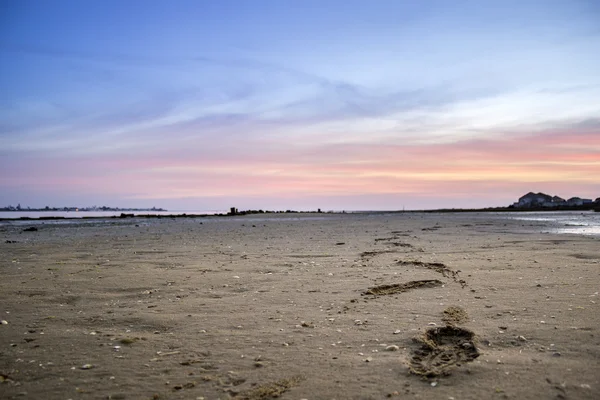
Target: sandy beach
<point x="299" y="306"/>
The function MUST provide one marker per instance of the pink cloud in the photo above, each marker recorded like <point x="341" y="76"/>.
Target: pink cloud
<point x="495" y="170"/>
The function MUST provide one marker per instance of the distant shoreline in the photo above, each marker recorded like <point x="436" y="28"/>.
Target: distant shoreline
<point x="77" y="209"/>
<point x="123" y="215"/>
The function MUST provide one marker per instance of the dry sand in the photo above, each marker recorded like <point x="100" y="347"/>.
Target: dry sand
<point x="300" y="307"/>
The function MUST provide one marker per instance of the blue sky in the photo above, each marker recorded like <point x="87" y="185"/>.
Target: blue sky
<point x="297" y="104"/>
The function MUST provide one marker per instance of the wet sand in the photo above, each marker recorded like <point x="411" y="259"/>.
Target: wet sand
<point x="299" y="306"/>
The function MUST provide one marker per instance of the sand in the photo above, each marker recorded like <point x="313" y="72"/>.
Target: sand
<point x="254" y="307"/>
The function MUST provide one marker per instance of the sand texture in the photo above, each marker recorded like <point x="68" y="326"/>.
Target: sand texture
<point x="332" y="306"/>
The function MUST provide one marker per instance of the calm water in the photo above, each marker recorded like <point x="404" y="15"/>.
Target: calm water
<point x="576" y="222"/>
<point x="573" y="222"/>
<point x="70" y="217"/>
<point x="82" y="214"/>
<point x="12" y="217"/>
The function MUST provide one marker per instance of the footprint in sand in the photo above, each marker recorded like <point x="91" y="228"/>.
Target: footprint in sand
<point x="437" y="267"/>
<point x="402" y="287"/>
<point x="442" y="349"/>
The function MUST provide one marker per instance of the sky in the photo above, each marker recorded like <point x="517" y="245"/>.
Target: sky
<point x="290" y="104"/>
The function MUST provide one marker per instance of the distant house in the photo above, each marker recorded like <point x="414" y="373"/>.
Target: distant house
<point x="539" y="200"/>
<point x="533" y="200"/>
<point x="577" y="201"/>
<point x="555" y="202"/>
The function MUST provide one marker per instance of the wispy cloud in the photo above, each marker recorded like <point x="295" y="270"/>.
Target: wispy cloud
<point x="453" y="99"/>
<point x="442" y="170"/>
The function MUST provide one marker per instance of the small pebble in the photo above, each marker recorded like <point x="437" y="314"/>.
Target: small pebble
<point x="4" y="322"/>
<point x="392" y="348"/>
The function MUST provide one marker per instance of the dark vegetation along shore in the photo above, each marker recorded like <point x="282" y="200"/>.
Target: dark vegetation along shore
<point x="159" y="216"/>
<point x="587" y="207"/>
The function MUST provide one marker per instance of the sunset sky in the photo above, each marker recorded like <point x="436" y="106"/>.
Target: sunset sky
<point x="290" y="104"/>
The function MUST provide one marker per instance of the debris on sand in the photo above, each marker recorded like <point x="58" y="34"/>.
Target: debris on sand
<point x="455" y="315"/>
<point x="270" y="390"/>
<point x="442" y="349"/>
<point x="403" y="287"/>
<point x="6" y="379"/>
<point x="128" y="341"/>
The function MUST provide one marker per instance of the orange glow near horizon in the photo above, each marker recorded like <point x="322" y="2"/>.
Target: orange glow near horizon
<point x="502" y="166"/>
